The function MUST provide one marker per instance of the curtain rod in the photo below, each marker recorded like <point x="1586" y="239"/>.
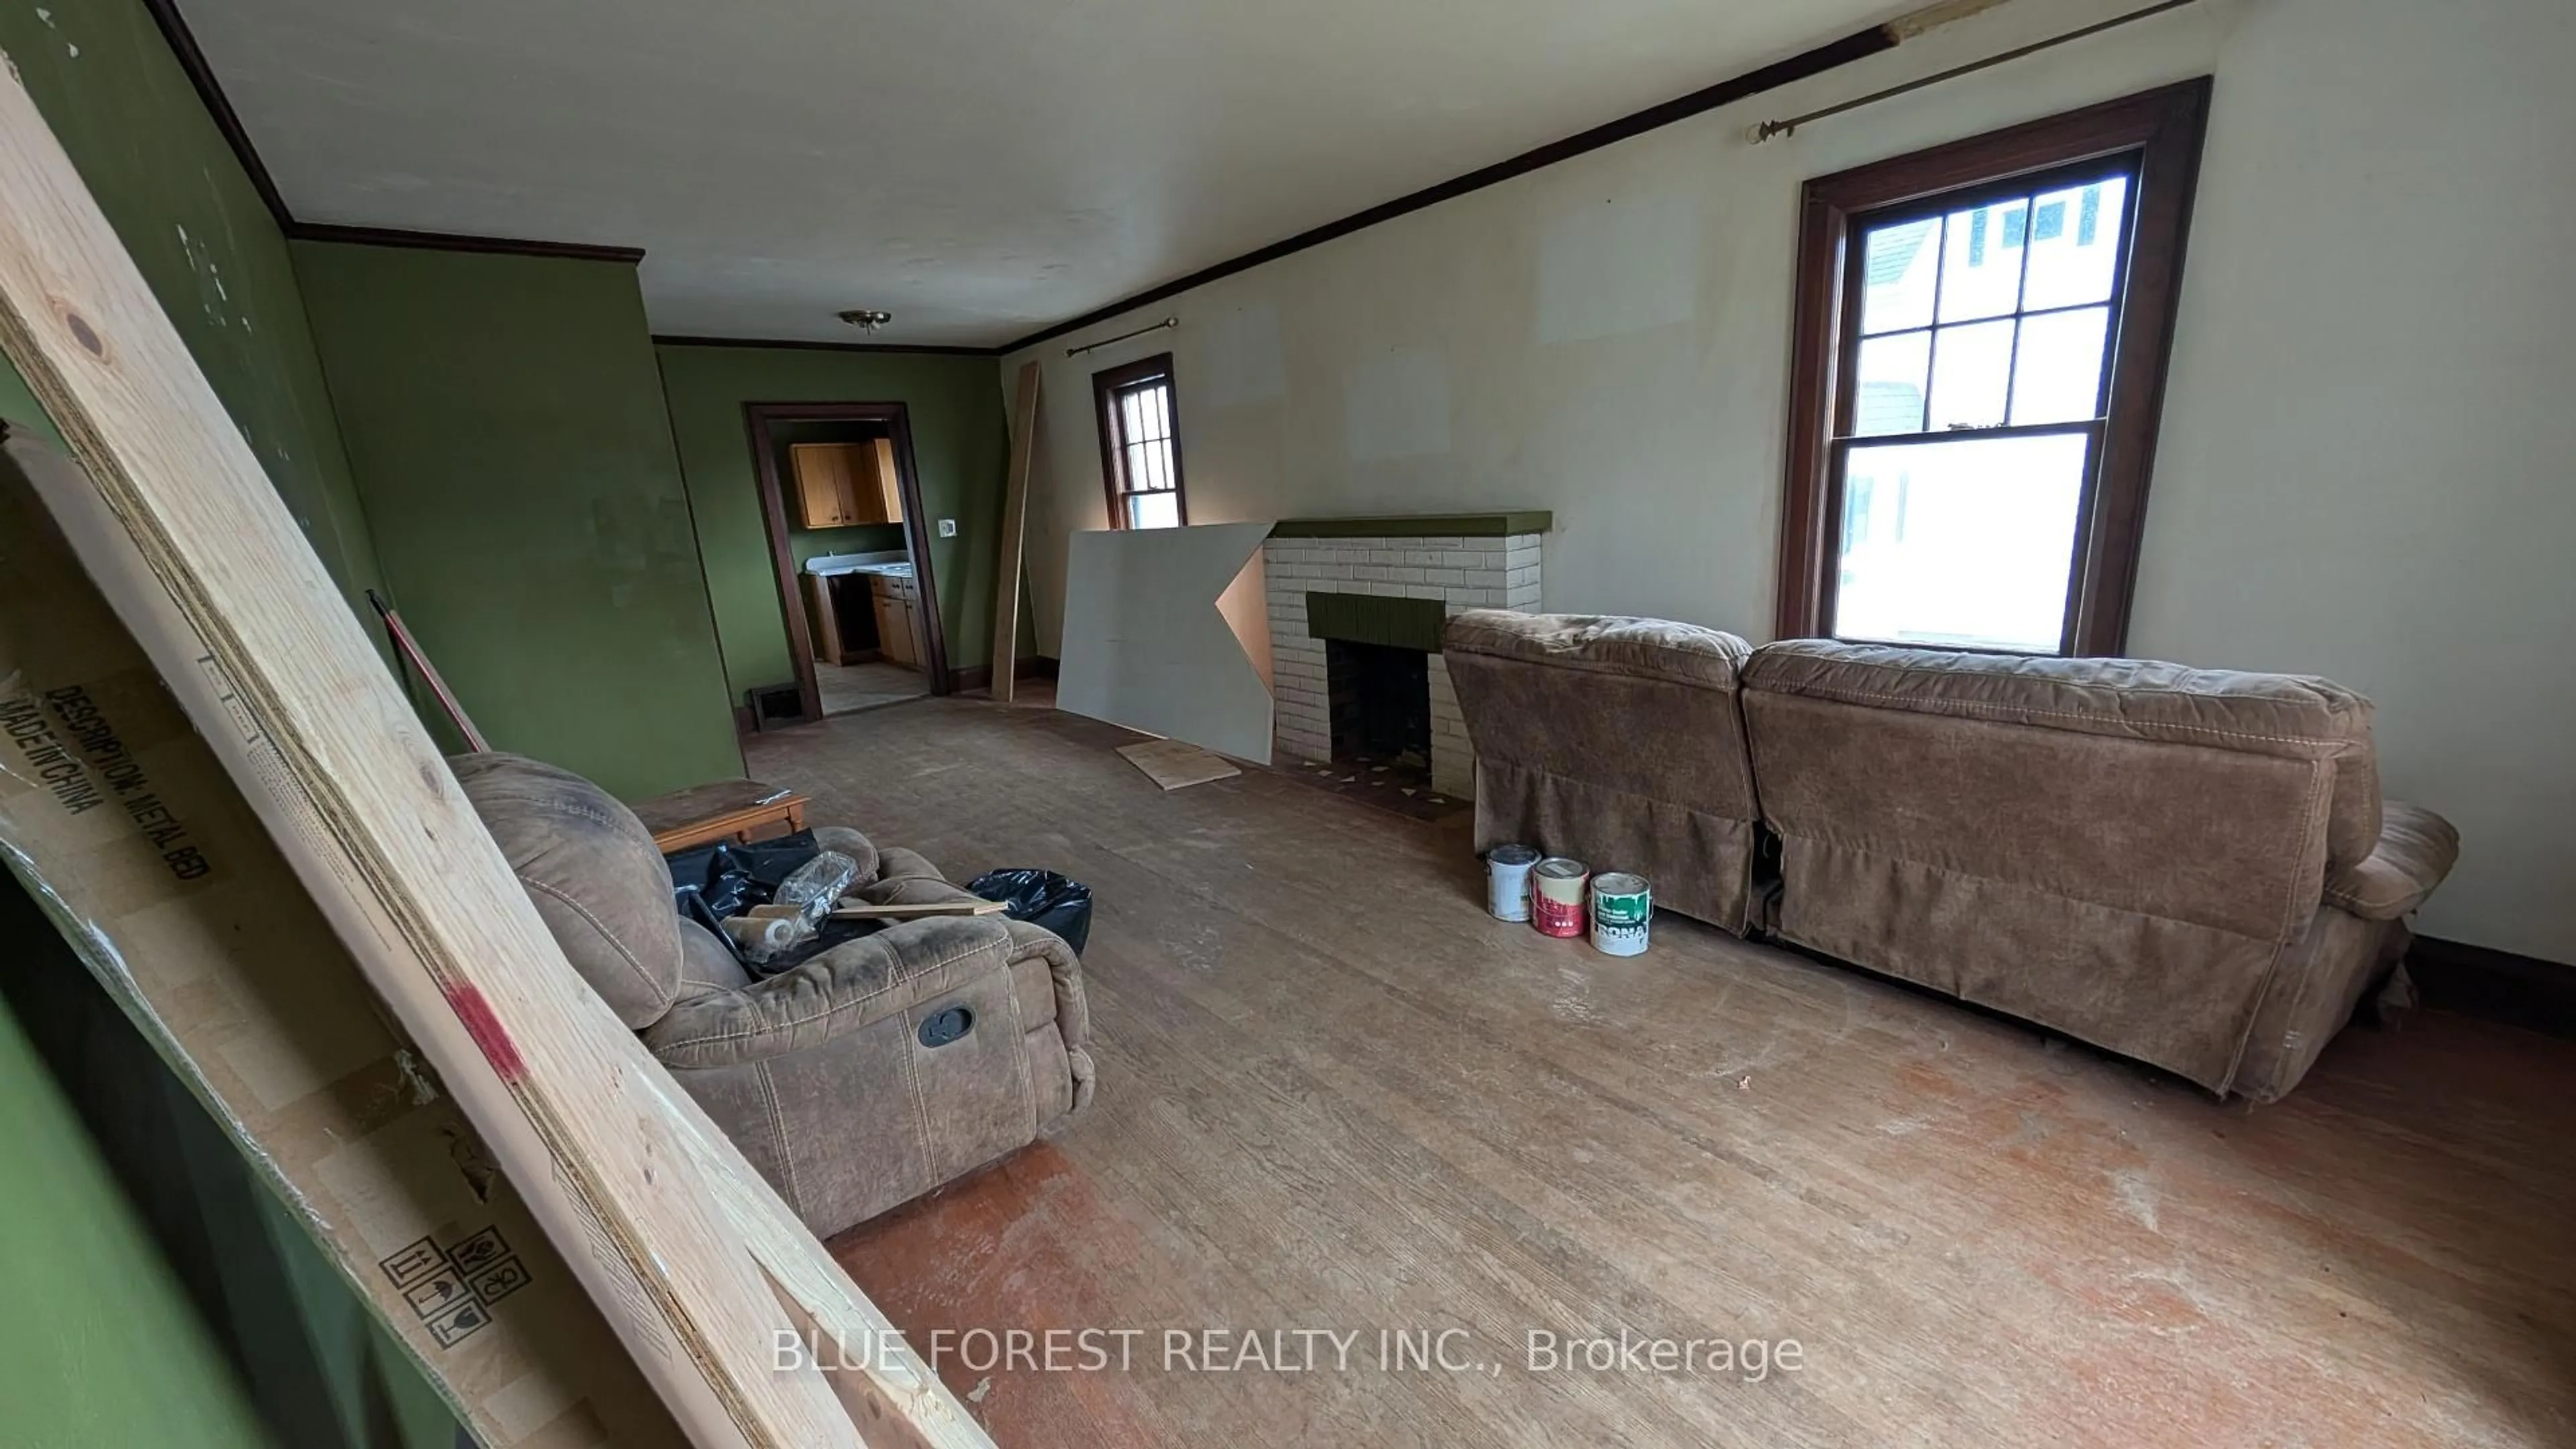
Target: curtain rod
<point x="1769" y="129"/>
<point x="1121" y="337"/>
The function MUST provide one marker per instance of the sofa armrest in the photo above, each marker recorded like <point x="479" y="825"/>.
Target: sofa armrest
<point x="2416" y="850"/>
<point x="836" y="992"/>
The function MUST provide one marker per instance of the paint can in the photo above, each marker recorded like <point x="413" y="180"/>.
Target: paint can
<point x="1507" y="879"/>
<point x="1557" y="897"/>
<point x="1623" y="911"/>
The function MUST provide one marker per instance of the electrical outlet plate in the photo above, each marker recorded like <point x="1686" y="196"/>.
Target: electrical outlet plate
<point x="948" y="528"/>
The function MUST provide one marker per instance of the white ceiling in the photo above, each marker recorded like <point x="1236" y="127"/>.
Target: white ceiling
<point x="977" y="167"/>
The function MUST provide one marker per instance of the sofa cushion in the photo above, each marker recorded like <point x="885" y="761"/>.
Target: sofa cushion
<point x="1646" y="648"/>
<point x="591" y="869"/>
<point x="2271" y="714"/>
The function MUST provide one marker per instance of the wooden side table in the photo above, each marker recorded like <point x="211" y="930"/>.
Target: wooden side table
<point x="742" y="810"/>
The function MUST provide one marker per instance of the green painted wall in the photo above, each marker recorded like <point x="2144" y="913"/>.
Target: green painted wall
<point x="506" y="423"/>
<point x="960" y="447"/>
<point x="207" y="1263"/>
<point x="99" y="1345"/>
<point x="214" y="256"/>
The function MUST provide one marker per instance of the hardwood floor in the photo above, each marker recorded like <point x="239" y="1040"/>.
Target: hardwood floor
<point x="1334" y="1095"/>
<point x="848" y="687"/>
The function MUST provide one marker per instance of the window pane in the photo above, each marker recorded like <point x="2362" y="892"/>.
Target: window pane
<point x="1971" y="368"/>
<point x="1898" y="276"/>
<point x="1981" y="260"/>
<point x="1890" y="396"/>
<point x="1154" y="510"/>
<point x="1964" y="543"/>
<point x="2075" y="240"/>
<point x="2057" y="373"/>
<point x="1131" y="417"/>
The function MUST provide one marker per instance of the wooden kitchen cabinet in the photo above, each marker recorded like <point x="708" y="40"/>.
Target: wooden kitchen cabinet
<point x="897" y="603"/>
<point x="842" y="485"/>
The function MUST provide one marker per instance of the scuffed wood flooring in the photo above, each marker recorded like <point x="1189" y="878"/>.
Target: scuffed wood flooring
<point x="1336" y="1098"/>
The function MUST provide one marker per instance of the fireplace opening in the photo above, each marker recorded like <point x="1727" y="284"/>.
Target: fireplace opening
<point x="1381" y="705"/>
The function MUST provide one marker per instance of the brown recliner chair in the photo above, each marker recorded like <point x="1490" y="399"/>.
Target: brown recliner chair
<point x="822" y="1075"/>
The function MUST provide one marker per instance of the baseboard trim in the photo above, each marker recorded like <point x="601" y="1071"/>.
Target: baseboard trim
<point x="2502" y="986"/>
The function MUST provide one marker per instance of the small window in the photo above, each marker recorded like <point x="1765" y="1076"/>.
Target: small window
<point x="1140" y="445"/>
<point x="1980" y="359"/>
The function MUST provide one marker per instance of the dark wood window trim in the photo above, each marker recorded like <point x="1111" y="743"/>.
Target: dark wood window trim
<point x="2161" y="131"/>
<point x="1105" y="387"/>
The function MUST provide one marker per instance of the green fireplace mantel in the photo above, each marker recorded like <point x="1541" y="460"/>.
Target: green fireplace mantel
<point x="1376" y="619"/>
<point x="1419" y="525"/>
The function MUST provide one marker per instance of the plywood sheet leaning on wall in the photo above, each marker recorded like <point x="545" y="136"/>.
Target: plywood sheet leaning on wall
<point x="1015" y="533"/>
<point x="1145" y="644"/>
<point x="696" y="1265"/>
<point x="121" y="822"/>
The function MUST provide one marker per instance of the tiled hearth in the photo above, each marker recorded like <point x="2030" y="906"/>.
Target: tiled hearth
<point x="1454" y="561"/>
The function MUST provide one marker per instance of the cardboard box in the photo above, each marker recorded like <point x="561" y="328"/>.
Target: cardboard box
<point x="120" y="819"/>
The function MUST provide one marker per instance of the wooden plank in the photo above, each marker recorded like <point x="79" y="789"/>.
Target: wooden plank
<point x="690" y="1255"/>
<point x="864" y="910"/>
<point x="1014" y="541"/>
<point x="1173" y="764"/>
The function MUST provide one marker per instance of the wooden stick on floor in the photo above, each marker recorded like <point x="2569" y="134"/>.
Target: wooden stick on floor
<point x="689" y="1253"/>
<point x="866" y="910"/>
<point x="1015" y="518"/>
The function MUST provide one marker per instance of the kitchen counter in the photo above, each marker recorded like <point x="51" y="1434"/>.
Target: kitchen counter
<point x="864" y="606"/>
<point x="833" y="565"/>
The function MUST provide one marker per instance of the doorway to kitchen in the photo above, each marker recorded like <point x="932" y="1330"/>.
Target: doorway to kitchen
<point x="841" y="500"/>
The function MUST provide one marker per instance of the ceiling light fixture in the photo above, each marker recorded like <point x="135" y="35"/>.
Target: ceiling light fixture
<point x="866" y="319"/>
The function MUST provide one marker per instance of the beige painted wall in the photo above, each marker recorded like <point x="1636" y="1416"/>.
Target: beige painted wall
<point x="2368" y="466"/>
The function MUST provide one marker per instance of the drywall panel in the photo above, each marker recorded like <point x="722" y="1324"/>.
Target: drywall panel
<point x="2363" y="468"/>
<point x="1146" y="646"/>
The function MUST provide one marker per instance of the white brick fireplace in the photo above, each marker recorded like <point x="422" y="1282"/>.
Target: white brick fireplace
<point x="1489" y="561"/>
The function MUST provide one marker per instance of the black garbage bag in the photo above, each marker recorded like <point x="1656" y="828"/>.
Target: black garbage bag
<point x="1042" y="897"/>
<point x="727" y="878"/>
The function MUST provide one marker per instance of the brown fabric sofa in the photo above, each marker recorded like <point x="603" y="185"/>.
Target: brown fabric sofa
<point x="819" y="1074"/>
<point x="1612" y="739"/>
<point x="2189" y="867"/>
